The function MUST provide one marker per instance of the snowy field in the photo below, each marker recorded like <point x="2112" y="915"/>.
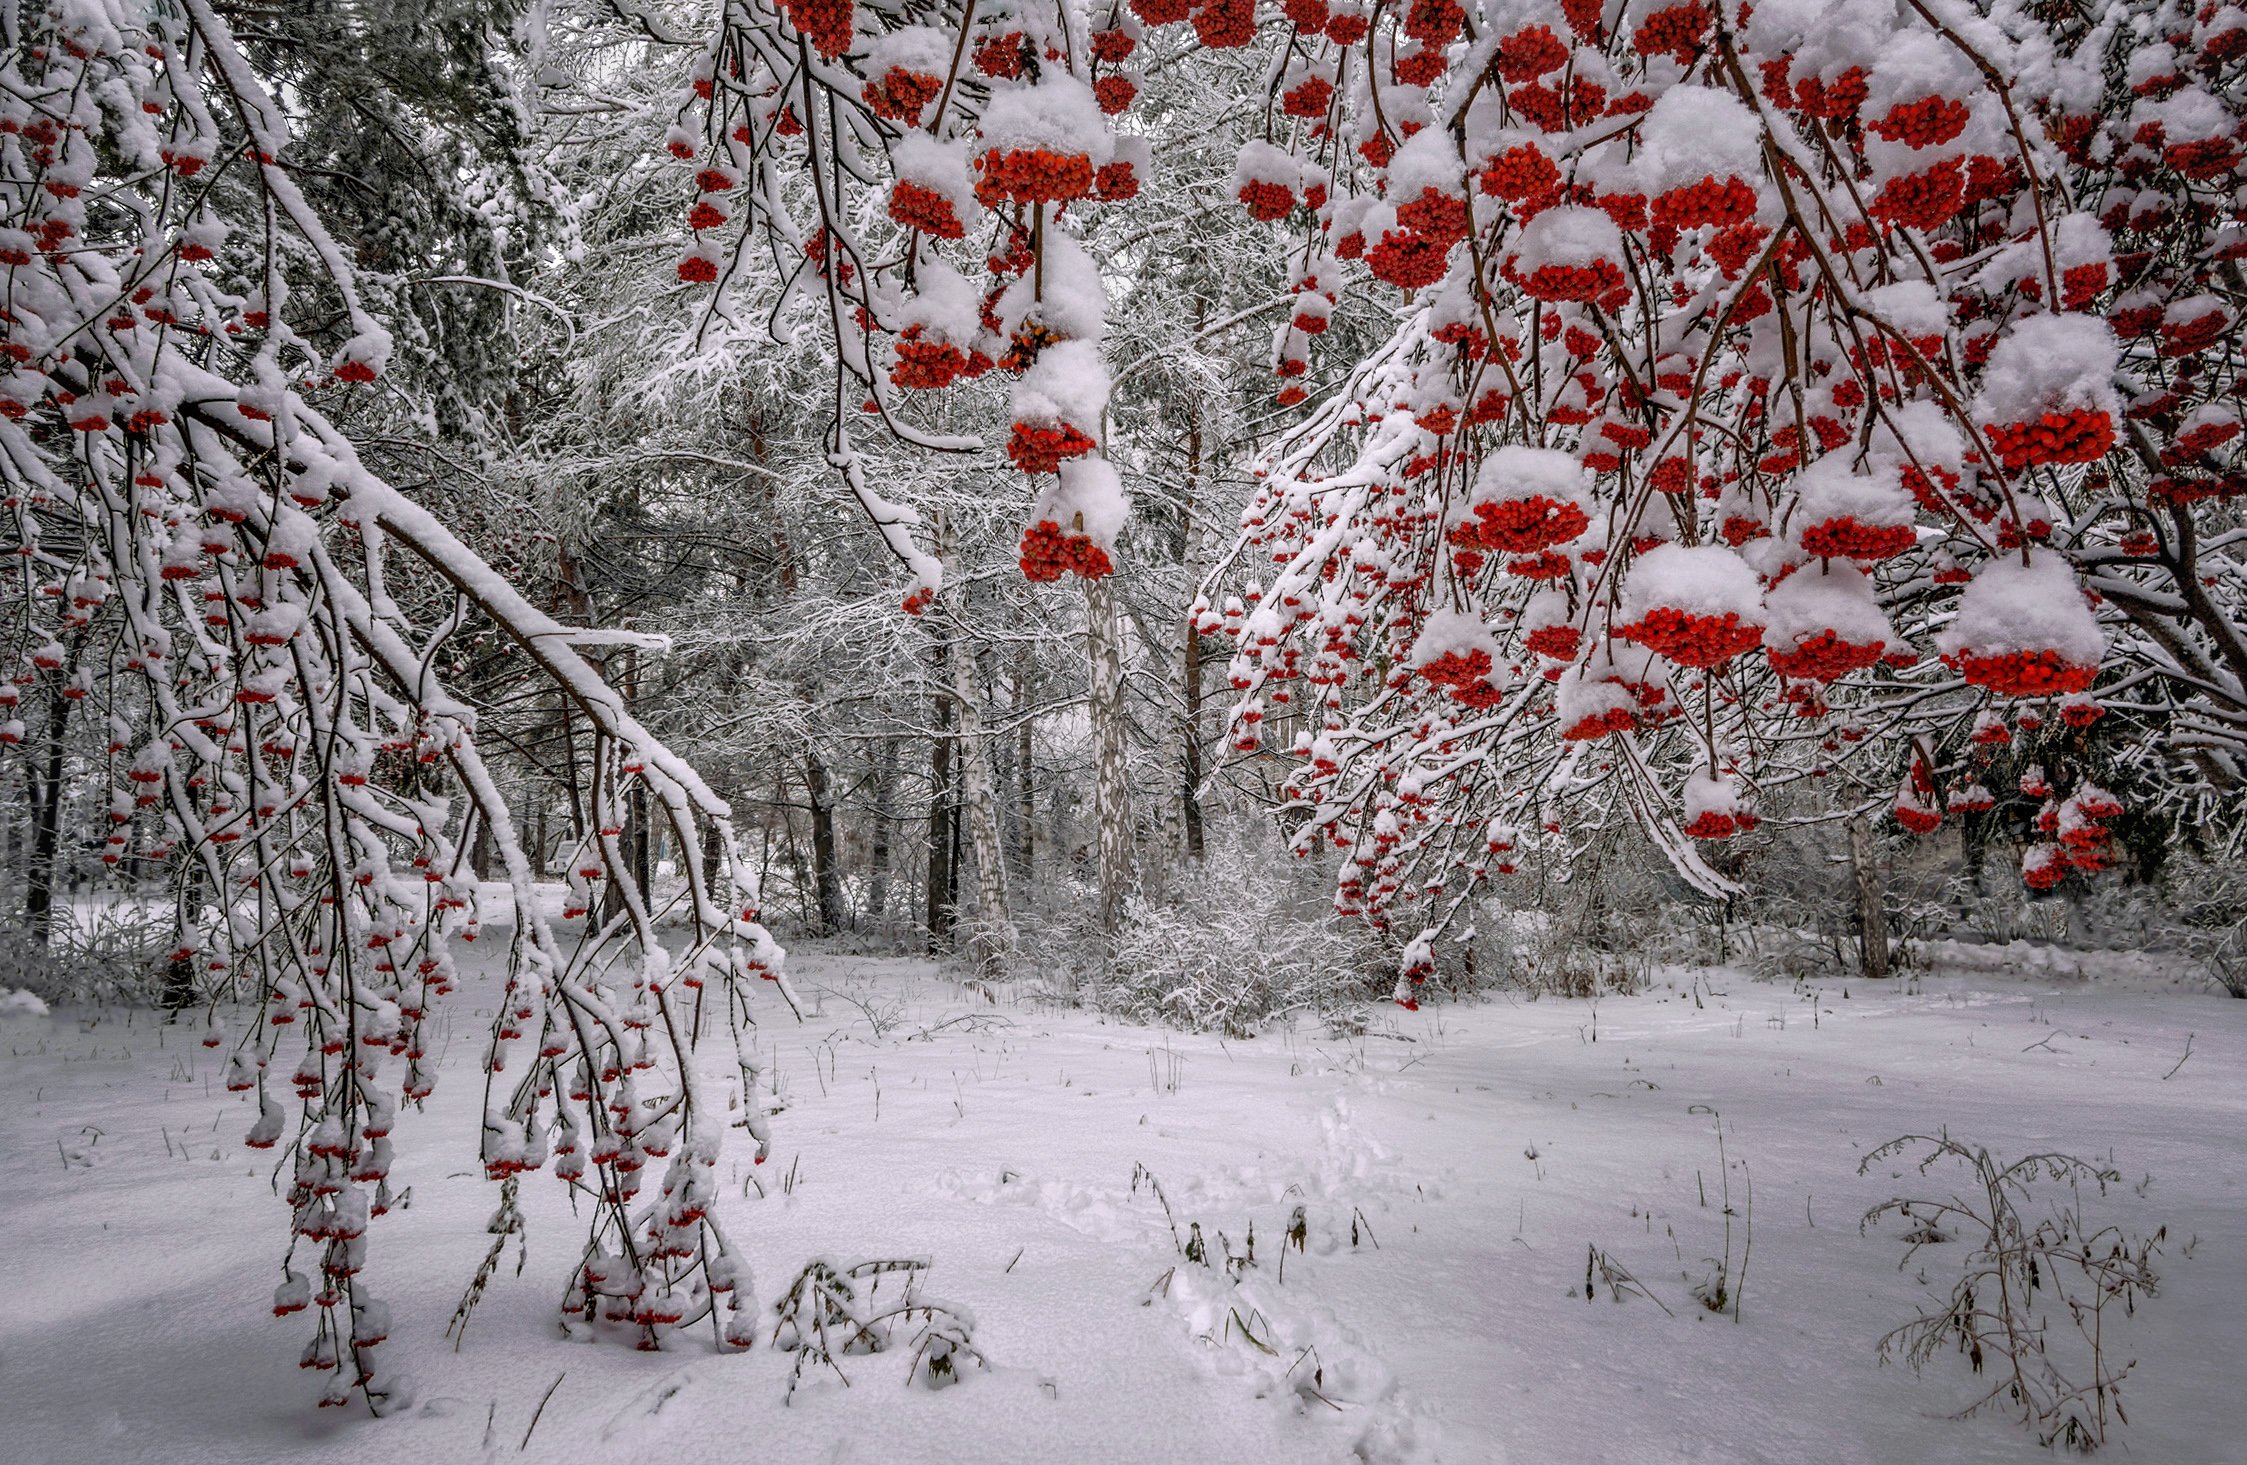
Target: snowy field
<point x="1476" y="1154"/>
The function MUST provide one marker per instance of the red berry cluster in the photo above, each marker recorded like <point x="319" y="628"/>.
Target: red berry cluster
<point x="1710" y="824"/>
<point x="1917" y="817"/>
<point x="1823" y="656"/>
<point x="924" y="209"/>
<point x="1114" y="92"/>
<point x="1454" y="670"/>
<point x="2081" y="435"/>
<point x="1439" y="215"/>
<point x="1162" y="12"/>
<point x="1116" y="182"/>
<point x="1558" y="282"/>
<point x="2167" y="491"/>
<point x="1529" y="53"/>
<point x="1846" y="537"/>
<point x="1434" y="22"/>
<point x="1478" y="695"/>
<point x="827" y="24"/>
<point x="2204" y="159"/>
<point x="2189" y="337"/>
<point x="1419" y="64"/>
<point x="1347" y="30"/>
<point x="1559" y="642"/>
<point x="902" y="95"/>
<point x="1000" y="56"/>
<point x="1408" y="259"/>
<point x="1692" y="640"/>
<point x="1265" y="200"/>
<point x="2045" y="873"/>
<point x="1043" y="447"/>
<point x="2023" y="673"/>
<point x="1925" y="200"/>
<point x="1928" y="122"/>
<point x="1545" y="565"/>
<point x="1048" y="553"/>
<point x="1526" y="525"/>
<point x="1601" y="724"/>
<point x="924" y="365"/>
<point x="1222" y="25"/>
<point x="1524" y="175"/>
<point x="1309" y="97"/>
<point x="1723" y="202"/>
<point x="1031" y="175"/>
<point x="1676" y="30"/>
<point x="1575" y="102"/>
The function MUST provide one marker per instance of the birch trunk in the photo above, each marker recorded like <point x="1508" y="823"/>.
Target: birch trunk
<point x="1872" y="908"/>
<point x="991" y="942"/>
<point x="1111" y="784"/>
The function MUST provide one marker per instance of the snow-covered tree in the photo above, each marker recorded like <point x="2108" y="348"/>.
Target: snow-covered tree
<point x="1775" y="391"/>
<point x="267" y="632"/>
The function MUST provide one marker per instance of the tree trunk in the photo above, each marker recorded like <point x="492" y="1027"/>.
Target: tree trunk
<point x="1190" y="668"/>
<point x="826" y="870"/>
<point x="1190" y="662"/>
<point x="1026" y="774"/>
<point x="632" y="843"/>
<point x="481" y="854"/>
<point x="938" y="916"/>
<point x="638" y="841"/>
<point x="991" y="943"/>
<point x="178" y="992"/>
<point x="1872" y="910"/>
<point x="798" y="873"/>
<point x="714" y="857"/>
<point x="45" y="778"/>
<point x="1111" y="783"/>
<point x="878" y="854"/>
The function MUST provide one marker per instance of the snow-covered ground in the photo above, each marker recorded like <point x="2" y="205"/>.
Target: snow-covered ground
<point x="1454" y="1168"/>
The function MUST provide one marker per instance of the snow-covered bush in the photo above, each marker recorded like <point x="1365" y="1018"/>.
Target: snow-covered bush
<point x="102" y="953"/>
<point x="1592" y="923"/>
<point x="1233" y="944"/>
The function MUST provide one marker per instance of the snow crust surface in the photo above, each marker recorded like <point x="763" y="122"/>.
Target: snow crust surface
<point x="1477" y="1151"/>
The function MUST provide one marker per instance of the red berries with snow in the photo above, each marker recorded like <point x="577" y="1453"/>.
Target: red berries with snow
<point x="1569" y="254"/>
<point x="1041" y="144"/>
<point x="2023" y="630"/>
<point x="1698" y="605"/>
<point x="2047" y="392"/>
<point x="1822" y="623"/>
<point x="1715" y="807"/>
<point x="1843" y="514"/>
<point x="1048" y="553"/>
<point x="1526" y="500"/>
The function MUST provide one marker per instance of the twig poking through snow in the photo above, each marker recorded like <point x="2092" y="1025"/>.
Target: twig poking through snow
<point x="2181" y="1061"/>
<point x="540" y="1410"/>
